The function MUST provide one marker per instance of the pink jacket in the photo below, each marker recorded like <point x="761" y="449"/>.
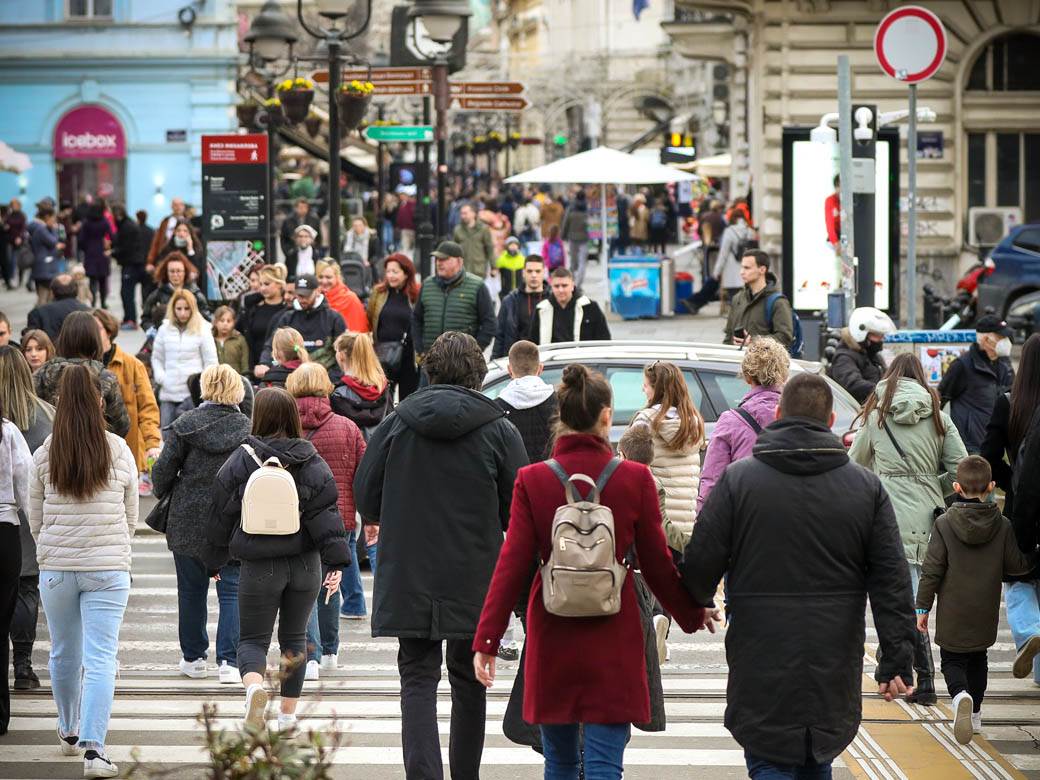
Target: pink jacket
<point x="733" y="439"/>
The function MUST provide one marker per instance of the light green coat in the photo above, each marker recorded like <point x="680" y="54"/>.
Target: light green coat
<point x="917" y="488"/>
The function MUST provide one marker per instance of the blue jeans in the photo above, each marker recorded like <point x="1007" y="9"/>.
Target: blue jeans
<point x="372" y="550"/>
<point x="760" y="769"/>
<point x="1023" y="613"/>
<point x="192" y="589"/>
<point x="323" y="627"/>
<point x="84" y="611"/>
<point x="603" y="754"/>
<point x="171" y="410"/>
<point x="350" y="586"/>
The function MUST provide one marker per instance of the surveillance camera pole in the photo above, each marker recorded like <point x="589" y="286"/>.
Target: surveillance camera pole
<point x="847" y="262"/>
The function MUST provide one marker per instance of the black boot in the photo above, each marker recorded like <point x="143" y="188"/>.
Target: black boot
<point x="25" y="678"/>
<point x="924" y="691"/>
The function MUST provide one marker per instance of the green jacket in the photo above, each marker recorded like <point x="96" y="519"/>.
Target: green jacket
<point x="463" y="304"/>
<point x="748" y="311"/>
<point x="234" y="352"/>
<point x="478" y="248"/>
<point x="917" y="485"/>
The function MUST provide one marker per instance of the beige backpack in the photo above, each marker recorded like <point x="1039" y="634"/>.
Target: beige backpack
<point x="583" y="577"/>
<point x="270" y="503"/>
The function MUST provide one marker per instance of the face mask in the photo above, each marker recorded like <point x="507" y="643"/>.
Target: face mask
<point x="1003" y="348"/>
<point x="178" y="241"/>
<point x="874" y="347"/>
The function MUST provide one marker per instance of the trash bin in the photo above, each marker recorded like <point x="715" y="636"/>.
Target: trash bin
<point x="683" y="290"/>
<point x="635" y="286"/>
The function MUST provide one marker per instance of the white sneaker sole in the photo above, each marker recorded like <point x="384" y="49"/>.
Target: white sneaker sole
<point x="962" y="721"/>
<point x="256" y="708"/>
<point x="194" y="674"/>
<point x="1023" y="665"/>
<point x="100" y="769"/>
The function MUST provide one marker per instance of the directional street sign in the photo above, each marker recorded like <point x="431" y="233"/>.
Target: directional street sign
<point x="422" y="134"/>
<point x="377" y="75"/>
<point x="486" y="87"/>
<point x="385" y="88"/>
<point x="490" y="103"/>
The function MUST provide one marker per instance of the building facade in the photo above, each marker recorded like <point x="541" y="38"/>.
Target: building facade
<point x="983" y="150"/>
<point x="110" y="97"/>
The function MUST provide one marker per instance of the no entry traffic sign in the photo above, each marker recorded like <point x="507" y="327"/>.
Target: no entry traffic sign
<point x="910" y="44"/>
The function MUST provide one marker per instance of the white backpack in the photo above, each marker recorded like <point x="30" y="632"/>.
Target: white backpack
<point x="270" y="504"/>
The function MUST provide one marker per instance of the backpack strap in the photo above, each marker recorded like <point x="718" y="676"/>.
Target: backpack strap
<point x="749" y="419"/>
<point x="252" y="454"/>
<point x="770" y="305"/>
<point x="606" y="474"/>
<point x="568" y="480"/>
<point x="895" y="443"/>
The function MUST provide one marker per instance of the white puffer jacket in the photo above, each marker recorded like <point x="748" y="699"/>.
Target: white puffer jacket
<point x="178" y="353"/>
<point x="84" y="535"/>
<point x="679" y="471"/>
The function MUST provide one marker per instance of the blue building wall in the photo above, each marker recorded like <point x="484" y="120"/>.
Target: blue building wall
<point x="143" y="66"/>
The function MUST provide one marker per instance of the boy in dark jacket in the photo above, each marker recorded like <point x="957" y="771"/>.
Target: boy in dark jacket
<point x="971" y="550"/>
<point x="529" y="403"/>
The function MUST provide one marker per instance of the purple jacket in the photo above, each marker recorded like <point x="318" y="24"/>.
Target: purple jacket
<point x="733" y="439"/>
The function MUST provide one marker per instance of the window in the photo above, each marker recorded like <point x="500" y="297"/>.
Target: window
<point x="1028" y="240"/>
<point x="1010" y="173"/>
<point x="89" y="9"/>
<point x="1011" y="63"/>
<point x="727" y="390"/>
<point x="627" y="384"/>
<point x="976" y="169"/>
<point x="1008" y="165"/>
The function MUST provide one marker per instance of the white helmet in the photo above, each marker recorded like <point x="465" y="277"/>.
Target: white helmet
<point x="867" y="319"/>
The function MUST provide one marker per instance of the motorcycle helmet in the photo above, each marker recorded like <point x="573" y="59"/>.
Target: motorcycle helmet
<point x="867" y="319"/>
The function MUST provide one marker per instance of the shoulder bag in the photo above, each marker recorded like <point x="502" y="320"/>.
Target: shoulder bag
<point x="160" y="514"/>
<point x="391" y="355"/>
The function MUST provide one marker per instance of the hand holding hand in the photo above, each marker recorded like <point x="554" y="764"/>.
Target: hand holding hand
<point x="895" y="688"/>
<point x="711" y="619"/>
<point x="484" y="666"/>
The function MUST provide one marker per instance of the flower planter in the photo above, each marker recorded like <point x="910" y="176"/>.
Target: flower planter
<point x="296" y="104"/>
<point x="247" y="114"/>
<point x="352" y="109"/>
<point x="494" y="144"/>
<point x="313" y="125"/>
<point x="275" y="116"/>
<point x="514" y="141"/>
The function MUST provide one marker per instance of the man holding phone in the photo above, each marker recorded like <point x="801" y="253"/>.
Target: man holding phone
<point x="759" y="309"/>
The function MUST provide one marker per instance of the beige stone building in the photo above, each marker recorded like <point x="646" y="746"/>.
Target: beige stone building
<point x="986" y="98"/>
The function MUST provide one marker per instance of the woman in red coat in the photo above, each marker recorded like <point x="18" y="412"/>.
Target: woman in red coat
<point x="340" y="443"/>
<point x="582" y="671"/>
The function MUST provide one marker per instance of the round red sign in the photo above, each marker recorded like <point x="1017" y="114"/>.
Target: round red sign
<point x="910" y="44"/>
<point x="89" y="132"/>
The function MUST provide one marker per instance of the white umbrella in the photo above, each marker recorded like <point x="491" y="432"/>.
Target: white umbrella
<point x="602" y="166"/>
<point x="12" y="161"/>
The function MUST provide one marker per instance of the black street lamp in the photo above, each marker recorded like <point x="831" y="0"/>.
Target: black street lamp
<point x="271" y="32"/>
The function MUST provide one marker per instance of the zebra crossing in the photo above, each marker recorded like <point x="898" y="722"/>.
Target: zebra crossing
<point x="155" y="713"/>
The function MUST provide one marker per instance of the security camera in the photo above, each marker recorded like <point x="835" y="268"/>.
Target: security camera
<point x="863" y="132"/>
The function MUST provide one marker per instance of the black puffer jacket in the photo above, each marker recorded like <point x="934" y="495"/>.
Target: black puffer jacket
<point x="805" y="536"/>
<point x="854" y="369"/>
<point x="153" y="312"/>
<point x="321" y="526"/>
<point x="971" y="386"/>
<point x="319" y="326"/>
<point x="195" y="446"/>
<point x="438" y="479"/>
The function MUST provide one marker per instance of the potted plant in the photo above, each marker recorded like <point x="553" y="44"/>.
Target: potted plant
<point x="296" y="96"/>
<point x="514" y="140"/>
<point x="275" y="116"/>
<point x="480" y="144"/>
<point x="313" y="125"/>
<point x="495" y="141"/>
<point x="352" y="99"/>
<point x="247" y="111"/>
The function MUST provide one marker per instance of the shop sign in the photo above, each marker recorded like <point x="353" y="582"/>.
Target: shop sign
<point x="89" y="132"/>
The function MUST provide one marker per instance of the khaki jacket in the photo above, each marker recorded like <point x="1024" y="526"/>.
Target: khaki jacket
<point x="141" y="406"/>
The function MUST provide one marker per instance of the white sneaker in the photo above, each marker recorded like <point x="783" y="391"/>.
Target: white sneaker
<point x="661" y="629"/>
<point x="99" y="766"/>
<point x="228" y="674"/>
<point x="256" y="705"/>
<point x="196" y="669"/>
<point x="330" y="663"/>
<point x="976" y="722"/>
<point x="69" y="745"/>
<point x="312" y="671"/>
<point x="286" y="722"/>
<point x="962" y="705"/>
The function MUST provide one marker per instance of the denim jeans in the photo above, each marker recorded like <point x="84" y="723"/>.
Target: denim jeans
<point x="603" y="754"/>
<point x="350" y="586"/>
<point x="323" y="627"/>
<point x="1023" y="614"/>
<point x="171" y="410"/>
<point x="372" y="550"/>
<point x="192" y="590"/>
<point x="760" y="769"/>
<point x="579" y="257"/>
<point x="84" y="611"/>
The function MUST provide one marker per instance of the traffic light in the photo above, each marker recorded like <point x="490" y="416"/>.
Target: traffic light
<point x="559" y="139"/>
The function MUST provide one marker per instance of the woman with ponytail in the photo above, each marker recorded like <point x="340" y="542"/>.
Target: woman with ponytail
<point x="83" y="512"/>
<point x="289" y="354"/>
<point x="363" y="393"/>
<point x="582" y="672"/>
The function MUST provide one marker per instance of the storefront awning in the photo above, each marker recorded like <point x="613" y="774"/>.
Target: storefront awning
<point x="349" y="162"/>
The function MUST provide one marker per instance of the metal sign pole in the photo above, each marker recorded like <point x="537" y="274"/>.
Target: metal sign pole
<point x="845" y="172"/>
<point x="911" y="215"/>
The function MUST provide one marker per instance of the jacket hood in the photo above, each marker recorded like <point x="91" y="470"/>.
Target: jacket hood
<point x="974" y="523"/>
<point x="911" y="403"/>
<point x="314" y="411"/>
<point x="363" y="391"/>
<point x="447" y="411"/>
<point x="848" y="341"/>
<point x="526" y="392"/>
<point x="291" y="452"/>
<point x="213" y="427"/>
<point x="319" y="304"/>
<point x="800" y="446"/>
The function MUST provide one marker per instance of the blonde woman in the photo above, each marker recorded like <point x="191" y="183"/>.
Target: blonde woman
<point x="183" y="346"/>
<point x="765" y="367"/>
<point x="363" y="393"/>
<point x="340" y="297"/>
<point x="289" y="354"/>
<point x="259" y="310"/>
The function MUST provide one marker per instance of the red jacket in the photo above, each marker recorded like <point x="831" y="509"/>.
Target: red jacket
<point x="832" y="216"/>
<point x="583" y="670"/>
<point x="340" y="443"/>
<point x="344" y="300"/>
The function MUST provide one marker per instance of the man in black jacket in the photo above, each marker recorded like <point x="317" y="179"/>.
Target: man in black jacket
<point x="528" y="401"/>
<point x="518" y="308"/>
<point x="857" y="364"/>
<point x="318" y="324"/>
<point x="127" y="252"/>
<point x="50" y="316"/>
<point x="804" y="537"/>
<point x="568" y="314"/>
<point x="448" y="458"/>
<point x="975" y="379"/>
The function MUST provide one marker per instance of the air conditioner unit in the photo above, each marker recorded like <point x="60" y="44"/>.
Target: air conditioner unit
<point x="987" y="227"/>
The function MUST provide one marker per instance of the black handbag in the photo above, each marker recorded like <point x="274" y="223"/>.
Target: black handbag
<point x="391" y="355"/>
<point x="160" y="514"/>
